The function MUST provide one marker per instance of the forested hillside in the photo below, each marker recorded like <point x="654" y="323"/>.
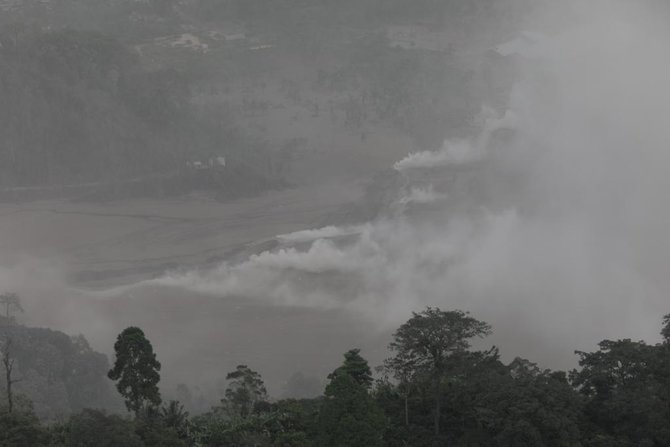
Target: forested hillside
<point x="127" y="98"/>
<point x="56" y="374"/>
<point x="78" y="108"/>
<point x="433" y="389"/>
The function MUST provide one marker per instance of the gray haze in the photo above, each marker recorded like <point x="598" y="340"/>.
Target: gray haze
<point x="546" y="216"/>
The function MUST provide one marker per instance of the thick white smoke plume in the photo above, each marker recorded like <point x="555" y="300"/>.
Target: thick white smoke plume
<point x="422" y="195"/>
<point x="552" y="224"/>
<point x="453" y="152"/>
<point x="460" y="151"/>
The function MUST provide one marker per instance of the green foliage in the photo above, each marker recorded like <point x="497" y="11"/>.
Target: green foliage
<point x="355" y="366"/>
<point x="165" y="427"/>
<point x="429" y="347"/>
<point x="288" y="423"/>
<point x="136" y="370"/>
<point x="151" y="428"/>
<point x="245" y="391"/>
<point x="175" y="417"/>
<point x="297" y="421"/>
<point x="93" y="427"/>
<point x="620" y="397"/>
<point x="293" y="439"/>
<point x="430" y="338"/>
<point x="213" y="430"/>
<point x="21" y="429"/>
<point x="349" y="417"/>
<point x="486" y="403"/>
<point x="626" y="384"/>
<point x="517" y="405"/>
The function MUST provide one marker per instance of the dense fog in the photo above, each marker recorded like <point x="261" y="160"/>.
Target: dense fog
<point x="272" y="184"/>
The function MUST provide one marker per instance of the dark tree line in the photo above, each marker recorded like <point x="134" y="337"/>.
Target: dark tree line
<point x="433" y="391"/>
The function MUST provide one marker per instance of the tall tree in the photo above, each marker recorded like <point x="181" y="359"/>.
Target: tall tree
<point x="665" y="332"/>
<point x="8" y="362"/>
<point x="428" y="345"/>
<point x="403" y="370"/>
<point x="349" y="416"/>
<point x="246" y="391"/>
<point x="136" y="370"/>
<point x="355" y="366"/>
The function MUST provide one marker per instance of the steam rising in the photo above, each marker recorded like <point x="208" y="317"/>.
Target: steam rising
<point x="459" y="151"/>
<point x="551" y="222"/>
<point x="453" y="152"/>
<point x="560" y="231"/>
<point x="422" y="195"/>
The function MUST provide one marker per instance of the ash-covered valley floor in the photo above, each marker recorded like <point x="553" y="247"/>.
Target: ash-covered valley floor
<point x="543" y="213"/>
<point x="59" y="255"/>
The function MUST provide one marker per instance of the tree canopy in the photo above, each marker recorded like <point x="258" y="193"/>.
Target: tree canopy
<point x="136" y="370"/>
<point x="355" y="366"/>
<point x="349" y="416"/>
<point x="245" y="391"/>
<point x="429" y="346"/>
<point x="619" y="396"/>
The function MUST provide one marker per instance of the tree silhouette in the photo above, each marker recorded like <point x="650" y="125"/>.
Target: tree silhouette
<point x="429" y="342"/>
<point x="355" y="366"/>
<point x="245" y="391"/>
<point x="8" y="363"/>
<point x="349" y="416"/>
<point x="136" y="370"/>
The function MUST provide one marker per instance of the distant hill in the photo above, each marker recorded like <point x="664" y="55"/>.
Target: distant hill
<point x="79" y="110"/>
<point x="58" y="373"/>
